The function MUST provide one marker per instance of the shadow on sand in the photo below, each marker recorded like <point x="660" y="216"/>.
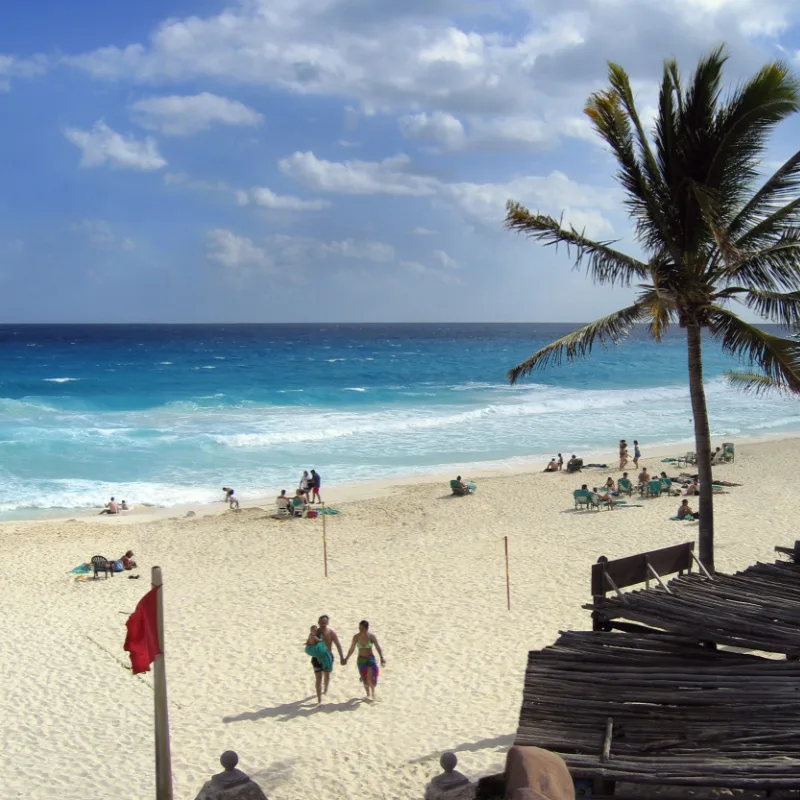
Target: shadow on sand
<point x="469" y="747"/>
<point x="300" y="708"/>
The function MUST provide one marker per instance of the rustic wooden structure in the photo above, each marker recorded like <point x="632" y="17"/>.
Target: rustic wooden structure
<point x="656" y="709"/>
<point x="756" y="609"/>
<point x="660" y="703"/>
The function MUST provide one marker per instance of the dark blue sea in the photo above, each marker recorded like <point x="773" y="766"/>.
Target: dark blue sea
<point x="168" y="414"/>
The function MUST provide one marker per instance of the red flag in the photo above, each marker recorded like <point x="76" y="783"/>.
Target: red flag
<point x="142" y="639"/>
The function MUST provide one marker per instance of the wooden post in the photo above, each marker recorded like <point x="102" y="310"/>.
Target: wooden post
<point x="508" y="584"/>
<point x="163" y="761"/>
<point x="324" y="541"/>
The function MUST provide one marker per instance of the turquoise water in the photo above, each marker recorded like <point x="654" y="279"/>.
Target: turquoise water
<point x="169" y="414"/>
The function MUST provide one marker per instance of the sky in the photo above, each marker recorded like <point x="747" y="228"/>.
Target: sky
<point x="342" y="160"/>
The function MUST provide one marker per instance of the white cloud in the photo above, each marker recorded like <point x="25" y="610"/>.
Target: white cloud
<point x="448" y="262"/>
<point x="102" y="145"/>
<point x="182" y="115"/>
<point x="467" y="61"/>
<point x="482" y="203"/>
<point x="14" y="67"/>
<point x="236" y="252"/>
<point x="100" y="232"/>
<point x="297" y="250"/>
<point x="419" y="268"/>
<point x="439" y="127"/>
<point x="391" y="176"/>
<point x="422" y="231"/>
<point x="266" y="198"/>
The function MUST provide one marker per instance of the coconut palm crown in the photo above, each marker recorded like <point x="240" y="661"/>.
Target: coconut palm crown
<point x="710" y="235"/>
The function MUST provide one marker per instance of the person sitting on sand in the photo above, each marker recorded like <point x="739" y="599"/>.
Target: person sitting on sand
<point x="575" y="464"/>
<point x="321" y="658"/>
<point x="229" y="498"/>
<point x="127" y="560"/>
<point x="693" y="489"/>
<point x="685" y="511"/>
<point x="367" y="664"/>
<point x="112" y="507"/>
<point x="124" y="506"/>
<point x="298" y="503"/>
<point x="552" y="466"/>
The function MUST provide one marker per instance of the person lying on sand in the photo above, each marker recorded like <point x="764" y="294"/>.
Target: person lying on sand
<point x="112" y="507"/>
<point x="127" y="560"/>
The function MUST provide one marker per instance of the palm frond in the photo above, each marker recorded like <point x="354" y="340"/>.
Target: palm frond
<point x="775" y="201"/>
<point x="603" y="262"/>
<point x="776" y="357"/>
<point x="579" y="343"/>
<point x="782" y="308"/>
<point x="753" y="382"/>
<point x="771" y="268"/>
<point x="610" y="120"/>
<point x="742" y="126"/>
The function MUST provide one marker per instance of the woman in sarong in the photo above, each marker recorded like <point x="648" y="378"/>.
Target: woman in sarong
<point x="367" y="663"/>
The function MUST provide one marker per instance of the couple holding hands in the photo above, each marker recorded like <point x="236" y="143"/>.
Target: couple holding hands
<point x="320" y="644"/>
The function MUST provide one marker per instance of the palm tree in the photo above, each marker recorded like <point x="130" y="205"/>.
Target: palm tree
<point x="709" y="235"/>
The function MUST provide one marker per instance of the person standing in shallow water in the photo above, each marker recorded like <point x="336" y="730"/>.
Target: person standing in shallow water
<point x="367" y="663"/>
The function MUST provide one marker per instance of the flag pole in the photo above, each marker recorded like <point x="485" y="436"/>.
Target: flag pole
<point x="324" y="541"/>
<point x="163" y="761"/>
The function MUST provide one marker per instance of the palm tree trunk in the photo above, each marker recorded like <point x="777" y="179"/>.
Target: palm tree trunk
<point x="702" y="443"/>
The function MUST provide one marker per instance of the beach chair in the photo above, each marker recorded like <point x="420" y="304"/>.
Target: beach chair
<point x="284" y="507"/>
<point x="298" y="509"/>
<point x="457" y="489"/>
<point x="102" y="564"/>
<point x="666" y="485"/>
<point x="689" y="458"/>
<point x="727" y="451"/>
<point x="654" y="488"/>
<point x="625" y="487"/>
<point x="596" y="502"/>
<point x="581" y="497"/>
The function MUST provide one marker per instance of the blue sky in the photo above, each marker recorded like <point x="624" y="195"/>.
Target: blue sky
<point x="203" y="162"/>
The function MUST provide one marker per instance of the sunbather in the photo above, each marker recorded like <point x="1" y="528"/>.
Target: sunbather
<point x="298" y="503"/>
<point x="575" y="464"/>
<point x="552" y="466"/>
<point x="112" y="507"/>
<point x="127" y="561"/>
<point x="459" y="487"/>
<point x="604" y="498"/>
<point x="611" y="487"/>
<point x="685" y="511"/>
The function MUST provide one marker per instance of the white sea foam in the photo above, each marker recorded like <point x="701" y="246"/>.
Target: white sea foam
<point x="354" y="389"/>
<point x="60" y="380"/>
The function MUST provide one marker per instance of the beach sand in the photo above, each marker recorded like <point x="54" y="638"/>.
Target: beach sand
<point x="241" y="589"/>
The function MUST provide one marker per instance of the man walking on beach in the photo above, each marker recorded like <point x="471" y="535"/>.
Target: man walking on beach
<point x="328" y="635"/>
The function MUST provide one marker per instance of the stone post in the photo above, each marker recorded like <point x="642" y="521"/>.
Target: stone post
<point x="451" y="784"/>
<point x="232" y="784"/>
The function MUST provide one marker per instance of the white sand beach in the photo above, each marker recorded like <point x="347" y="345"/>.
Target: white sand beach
<point x="241" y="589"/>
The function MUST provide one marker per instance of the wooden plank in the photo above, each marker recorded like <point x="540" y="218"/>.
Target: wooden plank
<point x="632" y="570"/>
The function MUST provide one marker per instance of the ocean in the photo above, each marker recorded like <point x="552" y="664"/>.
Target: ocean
<point x="168" y="414"/>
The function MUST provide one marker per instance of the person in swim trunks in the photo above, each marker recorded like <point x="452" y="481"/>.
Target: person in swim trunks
<point x="367" y="663"/>
<point x="329" y="636"/>
<point x="321" y="659"/>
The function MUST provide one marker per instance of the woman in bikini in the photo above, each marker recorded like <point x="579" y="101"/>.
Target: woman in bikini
<point x="367" y="664"/>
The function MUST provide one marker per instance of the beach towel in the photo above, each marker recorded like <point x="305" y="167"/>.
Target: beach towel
<point x="670" y="460"/>
<point x="321" y="653"/>
<point x="81" y="569"/>
<point x="365" y="664"/>
<point x="328" y="511"/>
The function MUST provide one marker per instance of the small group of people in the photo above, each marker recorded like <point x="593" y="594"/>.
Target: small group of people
<point x="310" y="484"/>
<point x="556" y="464"/>
<point x="320" y="643"/>
<point x="605" y="497"/>
<point x="113" y="507"/>
<point x="624" y="456"/>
